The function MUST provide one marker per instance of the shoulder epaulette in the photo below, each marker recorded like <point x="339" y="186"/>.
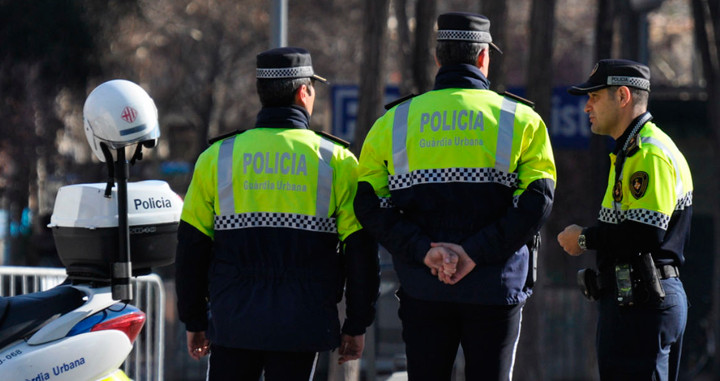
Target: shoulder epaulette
<point x="399" y="100"/>
<point x="519" y="99"/>
<point x="334" y="138"/>
<point x="225" y="136"/>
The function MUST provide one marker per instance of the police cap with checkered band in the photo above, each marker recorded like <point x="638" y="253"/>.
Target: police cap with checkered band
<point x="464" y="26"/>
<point x="287" y="62"/>
<point x="614" y="72"/>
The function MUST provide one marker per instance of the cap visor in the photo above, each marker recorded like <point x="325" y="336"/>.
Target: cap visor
<point x="584" y="88"/>
<point x="319" y="78"/>
<point x="495" y="47"/>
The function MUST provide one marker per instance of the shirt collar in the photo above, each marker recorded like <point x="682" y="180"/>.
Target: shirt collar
<point x="283" y="117"/>
<point x="461" y="76"/>
<point x="620" y="142"/>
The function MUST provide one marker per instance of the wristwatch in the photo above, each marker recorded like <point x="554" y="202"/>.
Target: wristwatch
<point x="582" y="241"/>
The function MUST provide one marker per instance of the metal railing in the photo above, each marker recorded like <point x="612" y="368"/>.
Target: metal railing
<point x="146" y="359"/>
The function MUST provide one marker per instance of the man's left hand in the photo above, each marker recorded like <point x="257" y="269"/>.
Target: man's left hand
<point x="351" y="348"/>
<point x="464" y="264"/>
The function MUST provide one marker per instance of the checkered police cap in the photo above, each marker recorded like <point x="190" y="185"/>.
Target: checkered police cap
<point x="287" y="62"/>
<point x="463" y="26"/>
<point x="614" y="72"/>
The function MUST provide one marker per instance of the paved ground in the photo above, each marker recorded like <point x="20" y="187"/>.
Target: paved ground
<point x="397" y="376"/>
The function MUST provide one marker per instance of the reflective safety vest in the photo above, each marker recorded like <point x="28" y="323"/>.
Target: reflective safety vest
<point x="470" y="136"/>
<point x="655" y="181"/>
<point x="270" y="177"/>
<point x="276" y="202"/>
<point x="454" y="161"/>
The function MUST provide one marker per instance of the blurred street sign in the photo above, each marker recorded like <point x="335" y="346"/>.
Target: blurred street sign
<point x="175" y="167"/>
<point x="345" y="108"/>
<point x="569" y="126"/>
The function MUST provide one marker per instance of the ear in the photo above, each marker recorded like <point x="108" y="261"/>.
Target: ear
<point x="483" y="61"/>
<point x="481" y="58"/>
<point x="301" y="95"/>
<point x="624" y="96"/>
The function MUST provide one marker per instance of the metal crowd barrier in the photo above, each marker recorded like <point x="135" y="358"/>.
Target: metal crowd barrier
<point x="146" y="359"/>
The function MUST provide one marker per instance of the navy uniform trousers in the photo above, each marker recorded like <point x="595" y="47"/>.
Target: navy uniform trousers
<point x="433" y="330"/>
<point x="642" y="342"/>
<point x="248" y="365"/>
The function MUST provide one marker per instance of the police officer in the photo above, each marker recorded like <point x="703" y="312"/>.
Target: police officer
<point x="259" y="272"/>
<point x="454" y="183"/>
<point x="643" y="226"/>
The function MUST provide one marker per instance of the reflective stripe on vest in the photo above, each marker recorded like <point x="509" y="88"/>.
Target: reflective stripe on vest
<point x="228" y="219"/>
<point x="499" y="174"/>
<point x="325" y="175"/>
<point x="225" y="178"/>
<point x="506" y="127"/>
<point x="399" y="139"/>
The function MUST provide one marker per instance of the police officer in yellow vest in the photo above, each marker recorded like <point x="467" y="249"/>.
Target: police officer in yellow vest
<point x="268" y="239"/>
<point x="644" y="224"/>
<point x="454" y="183"/>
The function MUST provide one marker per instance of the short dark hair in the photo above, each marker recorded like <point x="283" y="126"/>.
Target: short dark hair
<point x="453" y="52"/>
<point x="280" y="92"/>
<point x="639" y="96"/>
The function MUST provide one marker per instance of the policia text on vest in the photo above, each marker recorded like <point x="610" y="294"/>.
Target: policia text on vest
<point x="285" y="163"/>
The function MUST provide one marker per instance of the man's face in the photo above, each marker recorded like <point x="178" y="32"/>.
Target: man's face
<point x="602" y="109"/>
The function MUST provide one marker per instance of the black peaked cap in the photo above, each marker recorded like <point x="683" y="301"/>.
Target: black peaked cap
<point x="614" y="72"/>
<point x="286" y="62"/>
<point x="464" y="26"/>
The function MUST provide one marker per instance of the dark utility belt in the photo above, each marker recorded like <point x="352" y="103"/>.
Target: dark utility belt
<point x="635" y="282"/>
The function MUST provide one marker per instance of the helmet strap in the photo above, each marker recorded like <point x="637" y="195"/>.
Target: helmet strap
<point x="138" y="154"/>
<point x="111" y="169"/>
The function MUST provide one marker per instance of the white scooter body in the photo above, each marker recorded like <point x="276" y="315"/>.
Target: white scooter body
<point x="49" y="355"/>
<point x="88" y="356"/>
<point x="85" y="227"/>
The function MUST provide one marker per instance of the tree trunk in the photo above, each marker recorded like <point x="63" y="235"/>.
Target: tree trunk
<point x="497" y="12"/>
<point x="372" y="74"/>
<point x="604" y="28"/>
<point x="707" y="35"/>
<point x="539" y="90"/>
<point x="629" y="26"/>
<point x="370" y="99"/>
<point x="540" y="68"/>
<point x="424" y="66"/>
<point x="405" y="48"/>
<point x="604" y="37"/>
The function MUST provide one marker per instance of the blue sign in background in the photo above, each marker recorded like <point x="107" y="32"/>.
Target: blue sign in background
<point x="345" y="108"/>
<point x="568" y="126"/>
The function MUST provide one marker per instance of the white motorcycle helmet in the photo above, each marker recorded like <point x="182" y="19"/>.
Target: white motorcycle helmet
<point x="120" y="113"/>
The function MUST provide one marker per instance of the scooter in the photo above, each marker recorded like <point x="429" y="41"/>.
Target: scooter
<point x="75" y="333"/>
<point x="78" y="330"/>
<point x="84" y="329"/>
